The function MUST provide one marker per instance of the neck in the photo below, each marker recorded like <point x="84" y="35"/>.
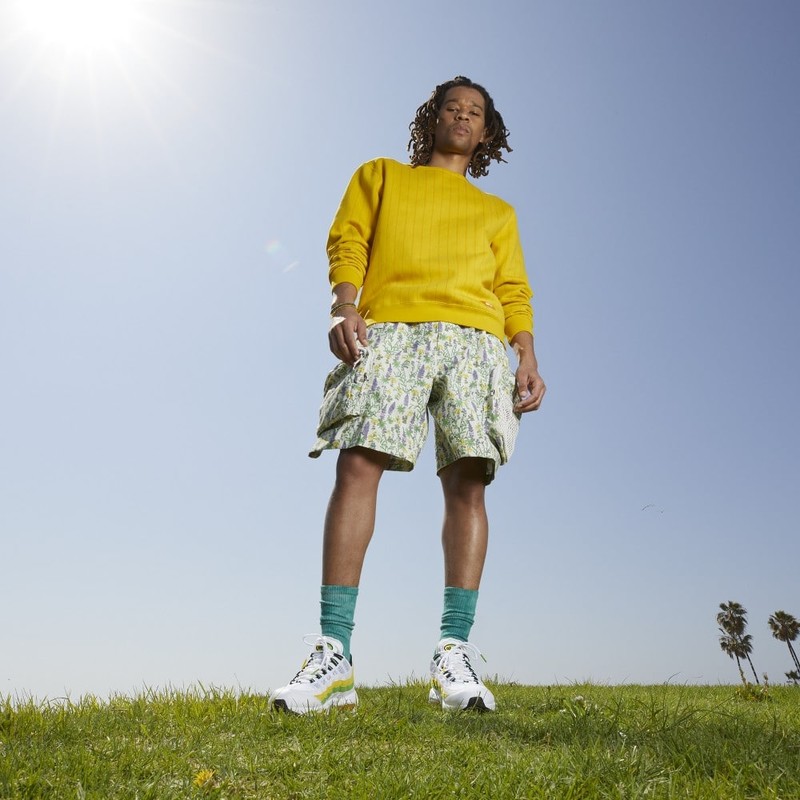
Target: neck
<point x="455" y="162"/>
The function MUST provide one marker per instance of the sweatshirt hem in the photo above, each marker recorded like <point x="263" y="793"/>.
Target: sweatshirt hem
<point x="409" y="314"/>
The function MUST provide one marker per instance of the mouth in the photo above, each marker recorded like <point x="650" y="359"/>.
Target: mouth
<point x="461" y="128"/>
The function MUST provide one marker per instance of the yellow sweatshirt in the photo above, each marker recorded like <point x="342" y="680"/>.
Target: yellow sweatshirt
<point x="423" y="244"/>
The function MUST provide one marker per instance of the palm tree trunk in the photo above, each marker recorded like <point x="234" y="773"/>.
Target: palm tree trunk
<point x="794" y="655"/>
<point x="741" y="671"/>
<point x="754" y="669"/>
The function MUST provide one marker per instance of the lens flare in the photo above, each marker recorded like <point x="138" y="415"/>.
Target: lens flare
<point x="279" y="256"/>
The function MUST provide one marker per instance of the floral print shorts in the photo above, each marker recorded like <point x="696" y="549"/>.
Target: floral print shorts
<point x="459" y="376"/>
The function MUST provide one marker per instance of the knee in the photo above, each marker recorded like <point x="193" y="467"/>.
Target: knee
<point x="465" y="483"/>
<point x="466" y="493"/>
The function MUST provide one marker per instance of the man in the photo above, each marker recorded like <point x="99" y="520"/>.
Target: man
<point x="428" y="281"/>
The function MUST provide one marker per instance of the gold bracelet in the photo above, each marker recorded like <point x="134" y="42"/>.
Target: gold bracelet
<point x="341" y="305"/>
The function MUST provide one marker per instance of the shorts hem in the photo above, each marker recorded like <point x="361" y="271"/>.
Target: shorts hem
<point x="493" y="464"/>
<point x="395" y="464"/>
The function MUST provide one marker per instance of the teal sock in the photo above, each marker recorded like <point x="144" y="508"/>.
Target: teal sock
<point x="459" y="612"/>
<point x="337" y="612"/>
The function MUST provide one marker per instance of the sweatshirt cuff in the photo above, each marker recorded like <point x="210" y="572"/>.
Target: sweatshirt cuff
<point x="338" y="275"/>
<point x="517" y="323"/>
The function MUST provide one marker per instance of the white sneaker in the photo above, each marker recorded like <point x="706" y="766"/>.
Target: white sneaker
<point x="454" y="683"/>
<point x="325" y="680"/>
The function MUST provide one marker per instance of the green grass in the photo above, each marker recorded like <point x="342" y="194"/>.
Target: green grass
<point x="544" y="742"/>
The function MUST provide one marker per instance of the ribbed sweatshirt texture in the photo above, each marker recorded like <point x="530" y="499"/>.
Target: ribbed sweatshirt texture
<point x="423" y="244"/>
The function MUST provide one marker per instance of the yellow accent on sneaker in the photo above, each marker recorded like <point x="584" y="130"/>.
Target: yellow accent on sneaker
<point x="326" y="680"/>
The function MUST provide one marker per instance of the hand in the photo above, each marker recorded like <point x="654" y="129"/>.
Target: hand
<point x="530" y="389"/>
<point x="347" y="335"/>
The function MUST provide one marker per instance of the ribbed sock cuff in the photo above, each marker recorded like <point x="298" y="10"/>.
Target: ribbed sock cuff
<point x="458" y="615"/>
<point x="337" y="613"/>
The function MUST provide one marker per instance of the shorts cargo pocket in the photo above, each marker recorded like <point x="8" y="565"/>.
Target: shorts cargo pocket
<point x="345" y="393"/>
<point x="503" y="420"/>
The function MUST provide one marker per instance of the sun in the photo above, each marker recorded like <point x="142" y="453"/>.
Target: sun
<point x="100" y="71"/>
<point x="79" y="25"/>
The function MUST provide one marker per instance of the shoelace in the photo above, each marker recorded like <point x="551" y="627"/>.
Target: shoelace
<point x="455" y="662"/>
<point x="321" y="660"/>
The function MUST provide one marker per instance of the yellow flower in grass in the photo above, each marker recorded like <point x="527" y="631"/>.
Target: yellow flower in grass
<point x="204" y="778"/>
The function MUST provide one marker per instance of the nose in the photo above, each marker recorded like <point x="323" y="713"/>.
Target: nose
<point x="462" y="113"/>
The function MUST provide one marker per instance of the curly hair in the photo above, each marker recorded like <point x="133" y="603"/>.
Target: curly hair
<point x="422" y="129"/>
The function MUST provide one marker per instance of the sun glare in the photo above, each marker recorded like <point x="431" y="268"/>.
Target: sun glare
<point x="79" y="25"/>
<point x="100" y="62"/>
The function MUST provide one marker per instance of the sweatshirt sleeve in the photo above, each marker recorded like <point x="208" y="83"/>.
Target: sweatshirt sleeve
<point x="353" y="227"/>
<point x="511" y="282"/>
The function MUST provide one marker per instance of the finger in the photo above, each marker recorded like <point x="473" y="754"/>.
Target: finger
<point x="345" y="336"/>
<point x="524" y="403"/>
<point x="362" y="331"/>
<point x="523" y="390"/>
<point x="353" y="347"/>
<point x="529" y="406"/>
<point x="338" y="342"/>
<point x="533" y="399"/>
<point x="336" y="350"/>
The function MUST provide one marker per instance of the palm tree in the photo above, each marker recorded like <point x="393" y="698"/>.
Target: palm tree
<point x="730" y="647"/>
<point x="785" y="628"/>
<point x="732" y="618"/>
<point x="745" y="648"/>
<point x="732" y="621"/>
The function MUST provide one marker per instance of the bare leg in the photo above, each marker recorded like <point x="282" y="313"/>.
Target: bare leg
<point x="350" y="519"/>
<point x="465" y="532"/>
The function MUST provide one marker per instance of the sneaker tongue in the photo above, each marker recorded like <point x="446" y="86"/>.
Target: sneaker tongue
<point x="312" y="665"/>
<point x="462" y="669"/>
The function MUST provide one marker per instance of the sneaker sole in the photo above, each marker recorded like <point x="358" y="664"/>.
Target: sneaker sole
<point x="283" y="707"/>
<point x="473" y="704"/>
<point x="477" y="704"/>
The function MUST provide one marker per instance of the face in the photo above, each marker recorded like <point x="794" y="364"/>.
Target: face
<point x="461" y="124"/>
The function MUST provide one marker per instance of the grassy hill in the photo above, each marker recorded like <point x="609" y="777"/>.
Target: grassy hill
<point x="543" y="742"/>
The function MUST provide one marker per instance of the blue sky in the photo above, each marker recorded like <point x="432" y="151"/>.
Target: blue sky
<point x="163" y="309"/>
